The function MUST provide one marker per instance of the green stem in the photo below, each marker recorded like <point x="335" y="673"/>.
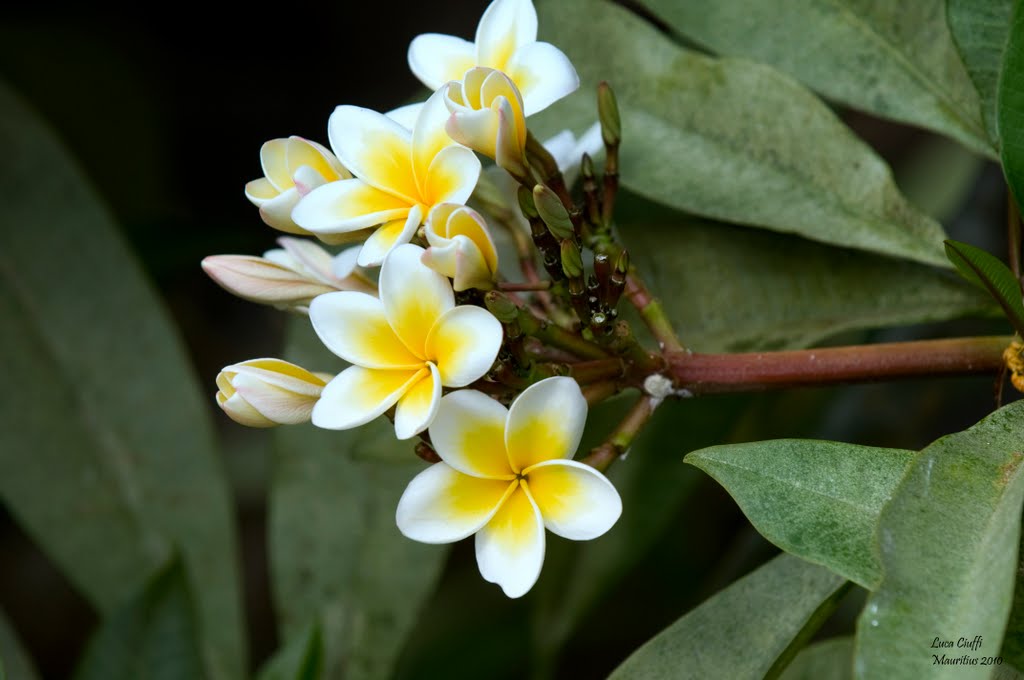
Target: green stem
<point x="652" y="312"/>
<point x="556" y="336"/>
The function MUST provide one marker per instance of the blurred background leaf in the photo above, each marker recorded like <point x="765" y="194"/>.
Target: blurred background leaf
<point x="107" y="419"/>
<point x="948" y="542"/>
<point x="1010" y="104"/>
<point x="980" y="29"/>
<point x="300" y="659"/>
<point x="731" y="139"/>
<point x="893" y="59"/>
<point x="827" y="660"/>
<point x="15" y="663"/>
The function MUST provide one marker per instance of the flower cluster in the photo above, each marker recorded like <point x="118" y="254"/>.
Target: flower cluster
<point x="421" y="329"/>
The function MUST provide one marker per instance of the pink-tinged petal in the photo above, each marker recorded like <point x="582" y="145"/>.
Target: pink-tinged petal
<point x="442" y="505"/>
<point x="259" y="280"/>
<point x="260" y="190"/>
<point x="477" y="129"/>
<point x="429" y="137"/>
<point x="406" y="115"/>
<point x="347" y="205"/>
<point x="354" y="326"/>
<point x="543" y="75"/>
<point x="469" y="435"/>
<point x="510" y="548"/>
<point x="576" y="501"/>
<point x="509" y="148"/>
<point x="375" y="149"/>
<point x="417" y="408"/>
<point x="435" y="59"/>
<point x="505" y="26"/>
<point x="310" y="257"/>
<point x="545" y="422"/>
<point x="464" y="344"/>
<point x="277" y="212"/>
<point x="414" y="296"/>
<point x="389" y="236"/>
<point x="452" y="176"/>
<point x="307" y="179"/>
<point x="273" y="158"/>
<point x="496" y="85"/>
<point x="357" y="395"/>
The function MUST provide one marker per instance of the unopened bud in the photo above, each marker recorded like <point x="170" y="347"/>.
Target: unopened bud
<point x="501" y="306"/>
<point x="554" y="214"/>
<point x="608" y="114"/>
<point x="587" y="167"/>
<point x="268" y="392"/>
<point x="526" y="203"/>
<point x="572" y="260"/>
<point x="622" y="263"/>
<point x="260" y="280"/>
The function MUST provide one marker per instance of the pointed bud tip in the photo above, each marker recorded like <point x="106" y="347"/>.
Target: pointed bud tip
<point x="501" y="306"/>
<point x="608" y="114"/>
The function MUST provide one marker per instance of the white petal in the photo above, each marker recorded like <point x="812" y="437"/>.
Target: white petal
<point x="406" y="115"/>
<point x="277" y="212"/>
<point x="275" y="403"/>
<point x="464" y="344"/>
<point x="307" y="179"/>
<point x="357" y="395"/>
<point x="417" y="408"/>
<point x="429" y="137"/>
<point x="562" y="147"/>
<point x="545" y="422"/>
<point x="510" y="548"/>
<point x="307" y="159"/>
<point x="475" y="128"/>
<point x="590" y="143"/>
<point x="344" y="263"/>
<point x="353" y="326"/>
<point x="505" y="26"/>
<point x="459" y="259"/>
<point x="260" y="280"/>
<point x="375" y="149"/>
<point x="389" y="236"/>
<point x="280" y="373"/>
<point x="435" y="59"/>
<point x="241" y="411"/>
<point x="273" y="158"/>
<point x="469" y="434"/>
<point x="414" y="296"/>
<point x="543" y="75"/>
<point x="346" y="205"/>
<point x="441" y="505"/>
<point x="310" y="257"/>
<point x="260" y="190"/>
<point x="452" y="176"/>
<point x="576" y="501"/>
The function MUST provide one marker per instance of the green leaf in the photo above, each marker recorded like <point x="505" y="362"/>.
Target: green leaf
<point x="1013" y="640"/>
<point x="740" y="632"/>
<point x="106" y="425"/>
<point x="979" y="29"/>
<point x="337" y="556"/>
<point x="300" y="659"/>
<point x="14" y="660"/>
<point x="991" y="275"/>
<point x="831" y="659"/>
<point x="818" y="500"/>
<point x="1010" y="105"/>
<point x="948" y="542"/>
<point x="731" y="139"/>
<point x="893" y="59"/>
<point x="738" y="289"/>
<point x="153" y="636"/>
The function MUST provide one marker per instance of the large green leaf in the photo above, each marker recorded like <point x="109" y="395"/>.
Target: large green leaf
<point x="1013" y="641"/>
<point x="948" y="542"/>
<point x="991" y="275"/>
<point x="14" y="660"/>
<point x="828" y="660"/>
<point x="731" y="139"/>
<point x="337" y="556"/>
<point x="155" y="635"/>
<point x="818" y="500"/>
<point x="893" y="59"/>
<point x="740" y="632"/>
<point x="1010" y="105"/>
<point x="979" y="29"/>
<point x="730" y="288"/>
<point x="107" y="456"/>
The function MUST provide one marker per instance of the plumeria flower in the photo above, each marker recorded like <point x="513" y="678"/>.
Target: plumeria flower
<point x="292" y="167"/>
<point x="505" y="475"/>
<point x="399" y="176"/>
<point x="506" y="40"/>
<point x="288" y="277"/>
<point x="461" y="247"/>
<point x="403" y="347"/>
<point x="268" y="392"/>
<point x="487" y="116"/>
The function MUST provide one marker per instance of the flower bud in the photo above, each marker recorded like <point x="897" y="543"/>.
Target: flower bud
<point x="572" y="260"/>
<point x="292" y="167"/>
<point x="268" y="392"/>
<point x="608" y="114"/>
<point x="554" y="214"/>
<point x="526" y="204"/>
<point x="461" y="247"/>
<point x="501" y="306"/>
<point x="487" y="116"/>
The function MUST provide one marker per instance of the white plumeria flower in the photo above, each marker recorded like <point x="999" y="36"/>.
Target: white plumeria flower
<point x="268" y="392"/>
<point x="487" y="116"/>
<point x="288" y="277"/>
<point x="505" y="475"/>
<point x="568" y="151"/>
<point x="403" y="347"/>
<point x="399" y="176"/>
<point x="292" y="167"/>
<point x="461" y="247"/>
<point x="506" y="40"/>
